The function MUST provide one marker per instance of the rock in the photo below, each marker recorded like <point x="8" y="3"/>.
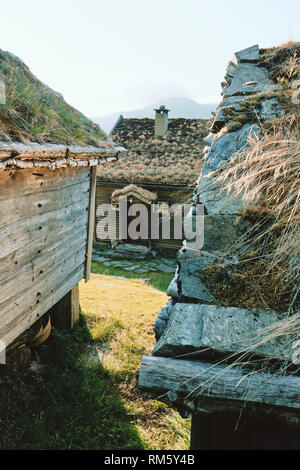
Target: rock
<point x="193" y="327"/>
<point x="140" y="271"/>
<point x="270" y="109"/>
<point x="251" y="54"/>
<point x="221" y="231"/>
<point x="208" y="140"/>
<point x="233" y="101"/>
<point x="98" y="258"/>
<point x="219" y="121"/>
<point x="173" y="288"/>
<point x="230" y="70"/>
<point x="162" y="319"/>
<point x="245" y="73"/>
<point x="253" y="88"/>
<point x="191" y="287"/>
<point x="217" y="201"/>
<point x="227" y="145"/>
<point x="191" y="263"/>
<point x="165" y="269"/>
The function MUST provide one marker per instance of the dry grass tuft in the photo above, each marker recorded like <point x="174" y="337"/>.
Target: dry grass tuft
<point x="268" y="173"/>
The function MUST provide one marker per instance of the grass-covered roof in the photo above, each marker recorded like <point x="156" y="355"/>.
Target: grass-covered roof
<point x="33" y="112"/>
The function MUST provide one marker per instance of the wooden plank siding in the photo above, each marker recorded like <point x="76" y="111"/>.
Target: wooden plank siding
<point x="169" y="195"/>
<point x="43" y="242"/>
<point x="91" y="223"/>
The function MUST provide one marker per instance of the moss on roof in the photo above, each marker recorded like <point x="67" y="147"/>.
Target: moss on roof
<point x="176" y="158"/>
<point x="34" y="112"/>
<point x="136" y="190"/>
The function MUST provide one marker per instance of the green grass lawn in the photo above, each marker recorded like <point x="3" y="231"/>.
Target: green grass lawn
<point x="80" y="391"/>
<point x="157" y="279"/>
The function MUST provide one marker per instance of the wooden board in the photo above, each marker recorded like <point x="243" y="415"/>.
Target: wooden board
<point x="16" y="183"/>
<point x="91" y="223"/>
<point x="193" y="379"/>
<point x="24" y="207"/>
<point x="43" y="239"/>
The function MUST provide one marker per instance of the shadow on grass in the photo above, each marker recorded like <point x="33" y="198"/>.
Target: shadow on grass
<point x="64" y="401"/>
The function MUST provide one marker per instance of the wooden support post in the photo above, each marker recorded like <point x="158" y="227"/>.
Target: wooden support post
<point x="65" y="314"/>
<point x="91" y="223"/>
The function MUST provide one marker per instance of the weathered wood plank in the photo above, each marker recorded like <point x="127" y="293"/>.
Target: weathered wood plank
<point x="17" y="209"/>
<point x="49" y="279"/>
<point x="48" y="151"/>
<point x="91" y="224"/>
<point x="54" y="295"/>
<point x="42" y="246"/>
<point x="20" y="233"/>
<point x="25" y="305"/>
<point x="197" y="379"/>
<point x="29" y="274"/>
<point x="15" y="183"/>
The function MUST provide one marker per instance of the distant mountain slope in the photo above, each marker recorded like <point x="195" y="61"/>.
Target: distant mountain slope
<point x="179" y="107"/>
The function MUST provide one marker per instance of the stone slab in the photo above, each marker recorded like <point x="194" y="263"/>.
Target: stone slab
<point x="195" y="327"/>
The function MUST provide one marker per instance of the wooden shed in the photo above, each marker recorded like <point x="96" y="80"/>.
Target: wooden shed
<point x="49" y="153"/>
<point x="166" y="165"/>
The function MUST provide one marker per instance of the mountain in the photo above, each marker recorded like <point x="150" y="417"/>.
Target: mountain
<point x="179" y="107"/>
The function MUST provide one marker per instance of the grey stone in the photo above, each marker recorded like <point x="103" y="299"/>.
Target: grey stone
<point x="169" y="262"/>
<point x="191" y="263"/>
<point x="162" y="319"/>
<point x="270" y="109"/>
<point x="217" y="201"/>
<point x="246" y="73"/>
<point x="192" y="287"/>
<point x="140" y="271"/>
<point x="194" y="261"/>
<point x="253" y="88"/>
<point x="130" y="268"/>
<point x="233" y="101"/>
<point x="101" y="259"/>
<point x="230" y="70"/>
<point x="173" y="288"/>
<point x="165" y="268"/>
<point x="251" y="54"/>
<point x="227" y="145"/>
<point x="219" y="121"/>
<point x="208" y="140"/>
<point x="221" y="231"/>
<point x="193" y="327"/>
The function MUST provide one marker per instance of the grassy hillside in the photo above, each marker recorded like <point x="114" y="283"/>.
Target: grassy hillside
<point x="34" y="112"/>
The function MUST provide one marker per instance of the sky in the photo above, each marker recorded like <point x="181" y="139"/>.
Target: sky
<point x="116" y="55"/>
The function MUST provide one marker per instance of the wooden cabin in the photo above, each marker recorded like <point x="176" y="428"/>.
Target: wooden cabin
<point x="49" y="153"/>
<point x="164" y="157"/>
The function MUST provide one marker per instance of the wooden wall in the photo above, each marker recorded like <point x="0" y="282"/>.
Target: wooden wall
<point x="43" y="239"/>
<point x="170" y="195"/>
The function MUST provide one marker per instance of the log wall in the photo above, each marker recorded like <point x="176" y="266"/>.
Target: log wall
<point x="43" y="241"/>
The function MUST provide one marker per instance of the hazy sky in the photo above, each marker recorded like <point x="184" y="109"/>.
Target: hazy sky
<point x="112" y="55"/>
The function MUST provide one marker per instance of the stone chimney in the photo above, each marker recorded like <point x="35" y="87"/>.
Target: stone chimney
<point x="161" y="121"/>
